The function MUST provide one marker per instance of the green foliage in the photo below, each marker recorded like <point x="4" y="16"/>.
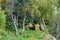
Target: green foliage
<point x="34" y="10"/>
<point x="2" y="19"/>
<point x="28" y="35"/>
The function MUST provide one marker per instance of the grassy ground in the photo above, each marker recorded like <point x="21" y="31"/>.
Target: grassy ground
<point x="28" y="35"/>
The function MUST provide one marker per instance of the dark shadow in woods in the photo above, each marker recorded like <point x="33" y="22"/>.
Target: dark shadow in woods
<point x="33" y="27"/>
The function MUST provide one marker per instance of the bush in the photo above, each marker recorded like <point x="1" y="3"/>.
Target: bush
<point x="2" y="19"/>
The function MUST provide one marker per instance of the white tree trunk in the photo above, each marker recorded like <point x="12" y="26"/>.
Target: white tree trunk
<point x="23" y="29"/>
<point x="14" y="18"/>
<point x="15" y="24"/>
<point x="42" y="24"/>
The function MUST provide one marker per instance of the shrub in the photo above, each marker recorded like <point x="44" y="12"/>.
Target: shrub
<point x="2" y="19"/>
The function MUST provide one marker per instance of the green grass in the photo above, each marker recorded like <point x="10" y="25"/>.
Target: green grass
<point x="28" y="35"/>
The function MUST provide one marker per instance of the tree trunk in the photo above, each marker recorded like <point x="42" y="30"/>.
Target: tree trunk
<point x="14" y="21"/>
<point x="42" y="24"/>
<point x="14" y="18"/>
<point x="15" y="24"/>
<point x="23" y="29"/>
